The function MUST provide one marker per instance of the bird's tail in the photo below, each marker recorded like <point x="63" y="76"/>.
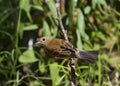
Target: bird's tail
<point x="89" y="56"/>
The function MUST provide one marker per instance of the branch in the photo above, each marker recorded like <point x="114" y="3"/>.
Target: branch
<point x="60" y="21"/>
<point x="73" y="76"/>
<point x="71" y="60"/>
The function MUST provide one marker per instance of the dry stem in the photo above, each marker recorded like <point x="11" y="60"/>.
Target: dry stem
<point x="71" y="60"/>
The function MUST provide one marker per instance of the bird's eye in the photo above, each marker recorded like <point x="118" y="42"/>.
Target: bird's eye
<point x="43" y="39"/>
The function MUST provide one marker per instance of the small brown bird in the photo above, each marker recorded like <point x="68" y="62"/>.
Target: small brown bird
<point x="61" y="49"/>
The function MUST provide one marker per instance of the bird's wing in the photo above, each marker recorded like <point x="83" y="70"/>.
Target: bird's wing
<point x="61" y="48"/>
<point x="68" y="47"/>
<point x="61" y="53"/>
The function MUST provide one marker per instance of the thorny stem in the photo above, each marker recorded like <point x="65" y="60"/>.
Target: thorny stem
<point x="71" y="60"/>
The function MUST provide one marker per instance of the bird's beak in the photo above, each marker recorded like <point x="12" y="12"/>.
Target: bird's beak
<point x="37" y="44"/>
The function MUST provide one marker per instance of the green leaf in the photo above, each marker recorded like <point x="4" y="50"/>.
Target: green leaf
<point x="42" y="67"/>
<point x="21" y="29"/>
<point x="53" y="10"/>
<point x="37" y="7"/>
<point x="31" y="27"/>
<point x="46" y="29"/>
<point x="29" y="16"/>
<point x="117" y="25"/>
<point x="54" y="72"/>
<point x="116" y="11"/>
<point x="87" y="10"/>
<point x="103" y="2"/>
<point x="28" y="57"/>
<point x="81" y="25"/>
<point x="25" y="5"/>
<point x="96" y="46"/>
<point x="58" y="82"/>
<point x="88" y="45"/>
<point x="52" y="7"/>
<point x="79" y="41"/>
<point x="101" y="35"/>
<point x="94" y="3"/>
<point x="36" y="83"/>
<point x="55" y="32"/>
<point x="71" y="11"/>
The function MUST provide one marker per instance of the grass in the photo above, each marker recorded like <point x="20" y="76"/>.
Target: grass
<point x="90" y="26"/>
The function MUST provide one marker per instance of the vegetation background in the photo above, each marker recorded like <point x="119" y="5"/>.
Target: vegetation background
<point x="90" y="25"/>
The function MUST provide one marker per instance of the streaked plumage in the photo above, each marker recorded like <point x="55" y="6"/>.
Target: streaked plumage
<point x="62" y="49"/>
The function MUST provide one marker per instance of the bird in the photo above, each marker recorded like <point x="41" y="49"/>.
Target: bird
<point x="63" y="49"/>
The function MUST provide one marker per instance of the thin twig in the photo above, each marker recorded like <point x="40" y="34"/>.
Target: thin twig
<point x="60" y="21"/>
<point x="71" y="60"/>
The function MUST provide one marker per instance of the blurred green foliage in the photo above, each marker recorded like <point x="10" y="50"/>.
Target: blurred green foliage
<point x="90" y="25"/>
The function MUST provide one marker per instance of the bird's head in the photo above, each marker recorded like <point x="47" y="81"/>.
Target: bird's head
<point x="43" y="41"/>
